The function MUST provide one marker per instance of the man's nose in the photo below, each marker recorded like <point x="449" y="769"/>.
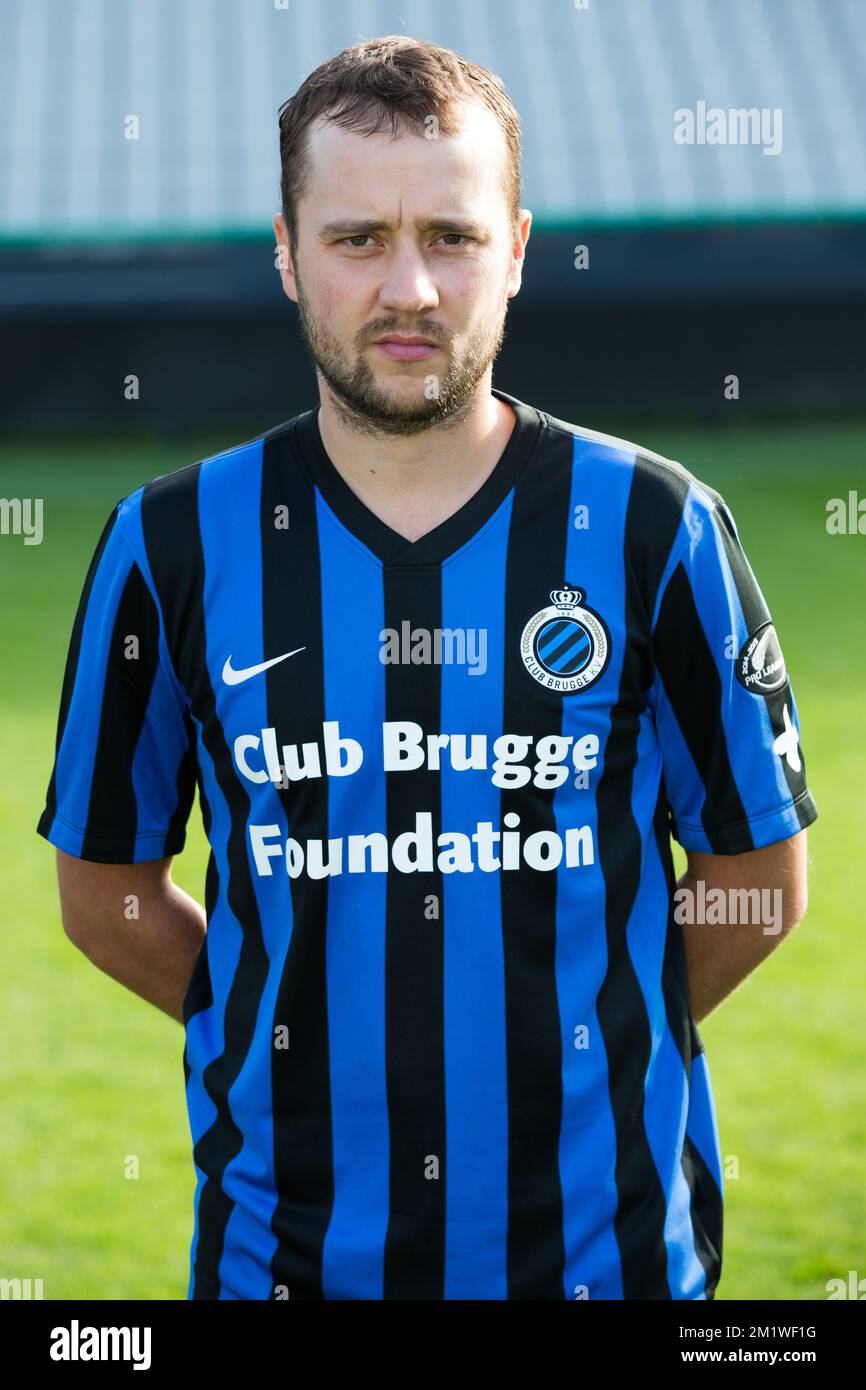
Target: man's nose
<point x="407" y="286"/>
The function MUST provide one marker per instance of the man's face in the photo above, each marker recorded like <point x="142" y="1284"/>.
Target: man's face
<point x="412" y="237"/>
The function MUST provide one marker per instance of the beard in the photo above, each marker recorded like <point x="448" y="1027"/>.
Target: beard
<point x="366" y="406"/>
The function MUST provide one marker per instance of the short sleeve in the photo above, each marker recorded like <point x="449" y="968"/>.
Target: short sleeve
<point x="124" y="771"/>
<point x="727" y="721"/>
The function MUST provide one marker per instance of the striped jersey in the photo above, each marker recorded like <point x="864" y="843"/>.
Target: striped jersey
<point x="438" y="1040"/>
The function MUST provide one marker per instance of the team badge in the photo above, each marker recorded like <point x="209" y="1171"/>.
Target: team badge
<point x="565" y="647"/>
<point x="760" y="664"/>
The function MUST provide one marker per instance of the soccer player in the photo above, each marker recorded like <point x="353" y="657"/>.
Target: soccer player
<point x="447" y="673"/>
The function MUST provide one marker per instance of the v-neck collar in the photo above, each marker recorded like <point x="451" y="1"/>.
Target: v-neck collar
<point x="451" y="534"/>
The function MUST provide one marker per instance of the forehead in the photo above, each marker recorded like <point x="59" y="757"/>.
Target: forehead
<point x="350" y="171"/>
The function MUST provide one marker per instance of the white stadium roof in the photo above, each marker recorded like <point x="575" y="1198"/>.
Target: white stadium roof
<point x="597" y="89"/>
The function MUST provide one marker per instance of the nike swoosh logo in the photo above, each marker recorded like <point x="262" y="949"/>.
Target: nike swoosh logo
<point x="233" y="677"/>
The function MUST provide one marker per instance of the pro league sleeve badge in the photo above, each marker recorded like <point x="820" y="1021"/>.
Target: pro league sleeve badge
<point x="760" y="665"/>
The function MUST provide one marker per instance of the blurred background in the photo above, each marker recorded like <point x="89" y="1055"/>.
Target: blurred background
<point x="717" y="316"/>
<point x="140" y="172"/>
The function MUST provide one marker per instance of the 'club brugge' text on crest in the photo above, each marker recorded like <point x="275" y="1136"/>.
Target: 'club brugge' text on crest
<point x="565" y="647"/>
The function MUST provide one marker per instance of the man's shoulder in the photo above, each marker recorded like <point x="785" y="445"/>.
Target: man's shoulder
<point x="159" y="521"/>
<point x="178" y="489"/>
<point x="658" y="483"/>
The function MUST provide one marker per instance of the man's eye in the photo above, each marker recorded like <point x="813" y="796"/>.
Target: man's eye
<point x="356" y="241"/>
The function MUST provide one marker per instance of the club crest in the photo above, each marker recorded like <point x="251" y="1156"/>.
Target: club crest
<point x="565" y="647"/>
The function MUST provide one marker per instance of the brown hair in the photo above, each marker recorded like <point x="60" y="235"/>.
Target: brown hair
<point x="397" y="77"/>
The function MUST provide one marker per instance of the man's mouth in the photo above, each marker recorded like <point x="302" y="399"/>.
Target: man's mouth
<point x="402" y="347"/>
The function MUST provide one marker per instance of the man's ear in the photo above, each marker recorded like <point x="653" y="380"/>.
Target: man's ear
<point x="284" y="258"/>
<point x="518" y="252"/>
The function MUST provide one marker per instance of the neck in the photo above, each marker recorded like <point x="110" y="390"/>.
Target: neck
<point x="414" y="482"/>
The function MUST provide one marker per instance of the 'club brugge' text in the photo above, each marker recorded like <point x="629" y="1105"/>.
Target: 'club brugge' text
<point x="511" y="760"/>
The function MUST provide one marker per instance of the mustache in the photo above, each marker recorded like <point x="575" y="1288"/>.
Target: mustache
<point x="439" y="334"/>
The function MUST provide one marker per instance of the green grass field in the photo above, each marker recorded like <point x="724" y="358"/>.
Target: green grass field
<point x="91" y="1075"/>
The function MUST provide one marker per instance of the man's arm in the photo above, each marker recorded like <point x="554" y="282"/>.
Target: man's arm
<point x="719" y="957"/>
<point x="131" y="921"/>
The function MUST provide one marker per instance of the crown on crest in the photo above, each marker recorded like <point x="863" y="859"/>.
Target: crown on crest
<point x="566" y="599"/>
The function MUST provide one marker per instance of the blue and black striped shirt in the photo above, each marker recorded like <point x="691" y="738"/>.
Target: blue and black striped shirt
<point x="438" y="1037"/>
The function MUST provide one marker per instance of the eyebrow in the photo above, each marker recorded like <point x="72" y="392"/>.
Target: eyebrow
<point x="365" y="226"/>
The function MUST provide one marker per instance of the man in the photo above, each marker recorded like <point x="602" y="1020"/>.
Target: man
<point x="447" y="673"/>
